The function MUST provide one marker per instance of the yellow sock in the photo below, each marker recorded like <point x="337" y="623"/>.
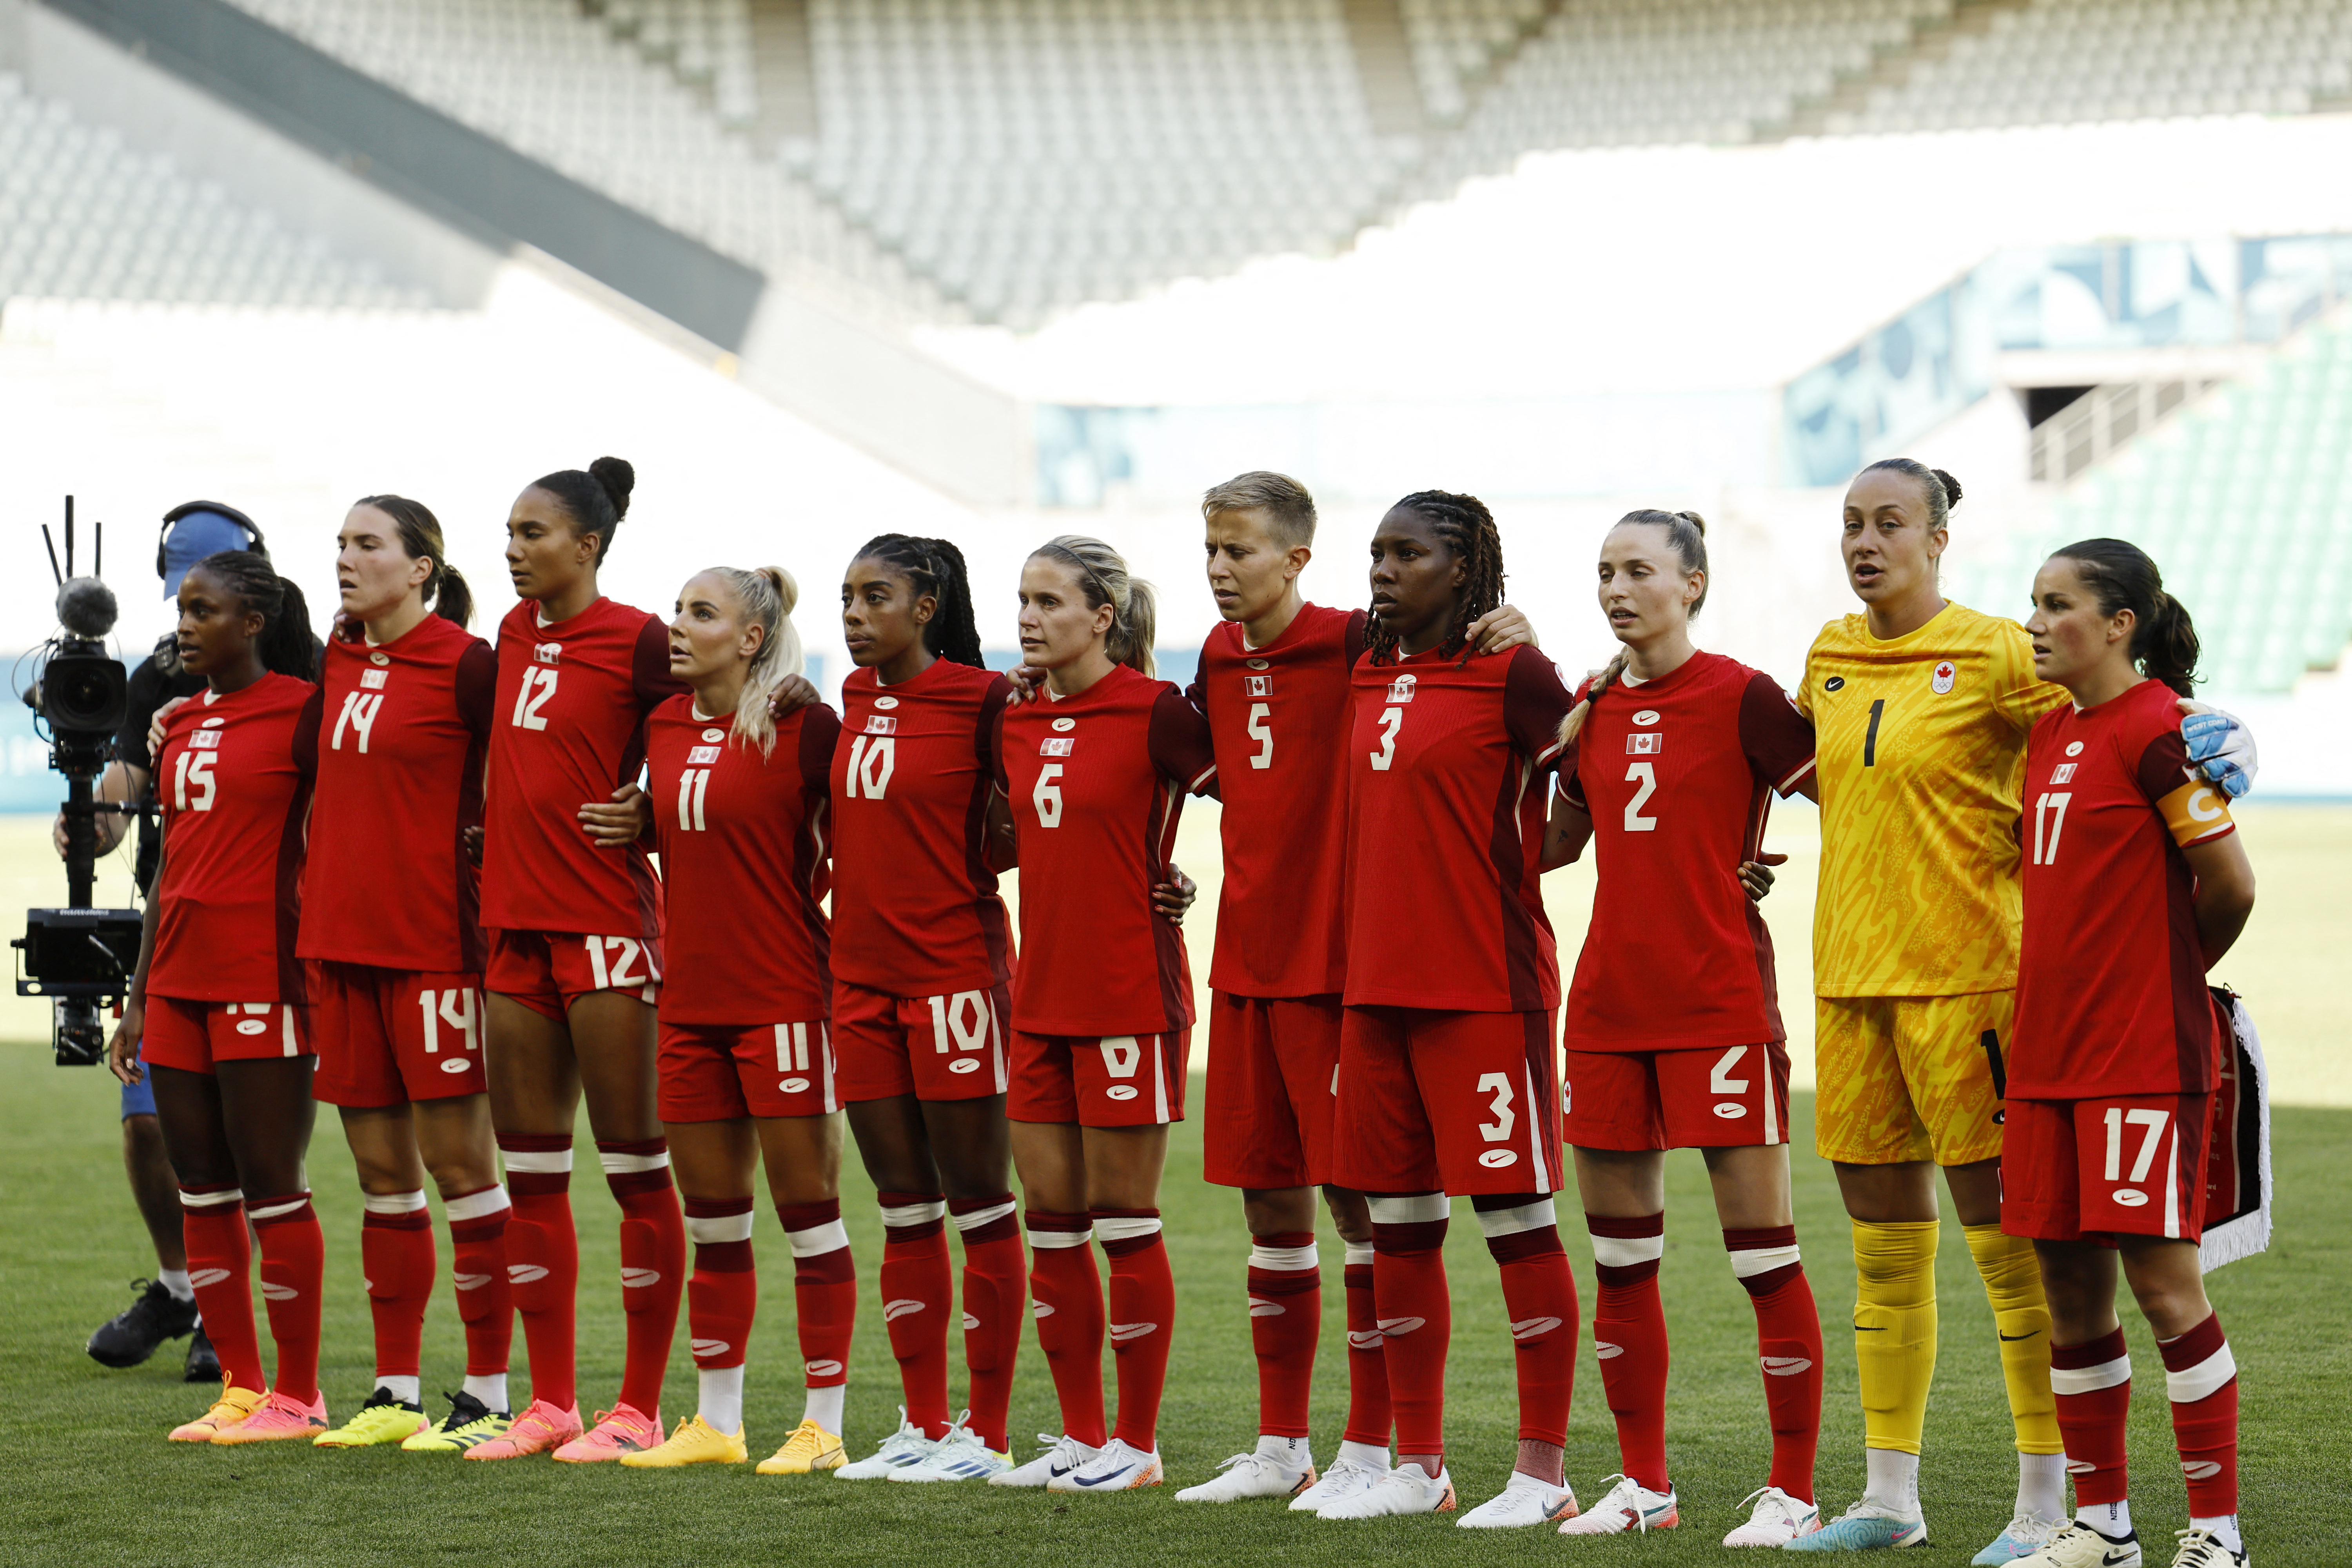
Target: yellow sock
<point x="2012" y="1282"/>
<point x="1894" y="1329"/>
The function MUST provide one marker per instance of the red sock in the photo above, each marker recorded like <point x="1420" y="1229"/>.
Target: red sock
<point x="1069" y="1306"/>
<point x="1539" y="1298"/>
<point x="2093" y="1385"/>
<point x="917" y="1291"/>
<point x="994" y="1293"/>
<point x="723" y="1293"/>
<point x="1370" y="1418"/>
<point x="397" y="1261"/>
<point x="293" y="1274"/>
<point x="478" y="1242"/>
<point x="653" y="1264"/>
<point x="1142" y="1318"/>
<point x="1416" y="1315"/>
<point x="2201" y="1377"/>
<point x="824" y="1289"/>
<point x="1629" y="1336"/>
<point x="1788" y="1348"/>
<point x="544" y="1261"/>
<point x="220" y="1259"/>
<point x="1285" y="1309"/>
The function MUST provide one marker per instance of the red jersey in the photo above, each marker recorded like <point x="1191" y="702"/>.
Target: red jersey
<point x="233" y="775"/>
<point x="404" y="726"/>
<point x="1445" y="828"/>
<point x="1098" y="782"/>
<point x="1279" y="717"/>
<point x="568" y="728"/>
<point x="744" y="844"/>
<point x="915" y="911"/>
<point x="2111" y="997"/>
<point x="1678" y="774"/>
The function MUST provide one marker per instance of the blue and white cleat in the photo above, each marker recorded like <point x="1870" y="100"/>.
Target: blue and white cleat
<point x="1865" y="1527"/>
<point x="1115" y="1468"/>
<point x="961" y="1456"/>
<point x="906" y="1446"/>
<point x="2026" y="1535"/>
<point x="1062" y="1455"/>
<point x="1627" y="1508"/>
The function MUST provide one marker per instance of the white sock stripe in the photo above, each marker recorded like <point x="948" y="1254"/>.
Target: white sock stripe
<point x="630" y="1165"/>
<point x="1050" y="1240"/>
<point x="817" y="1239"/>
<point x="476" y="1206"/>
<point x="2205" y="1378"/>
<point x="284" y="1205"/>
<point x="1291" y="1258"/>
<point x="392" y="1202"/>
<point x="1512" y="1222"/>
<point x="1762" y="1261"/>
<point x="978" y="1218"/>
<point x="1359" y="1256"/>
<point x="1421" y="1208"/>
<point x="1123" y="1227"/>
<point x="711" y="1230"/>
<point x="538" y="1162"/>
<point x="2090" y="1379"/>
<point x="189" y="1200"/>
<point x="1625" y="1251"/>
<point x="905" y="1214"/>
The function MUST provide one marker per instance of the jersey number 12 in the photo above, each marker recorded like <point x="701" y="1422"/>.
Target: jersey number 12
<point x="537" y="686"/>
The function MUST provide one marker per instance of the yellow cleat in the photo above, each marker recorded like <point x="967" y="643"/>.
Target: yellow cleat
<point x="229" y="1410"/>
<point x="810" y="1448"/>
<point x="696" y="1442"/>
<point x="382" y="1419"/>
<point x="470" y="1425"/>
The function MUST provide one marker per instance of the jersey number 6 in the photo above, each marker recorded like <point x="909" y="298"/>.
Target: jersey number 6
<point x="1045" y="797"/>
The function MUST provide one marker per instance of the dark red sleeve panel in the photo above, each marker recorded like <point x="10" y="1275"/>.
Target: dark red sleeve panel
<point x="1534" y="703"/>
<point x="988" y="735"/>
<point x="1359" y="635"/>
<point x="992" y="727"/>
<point x="2163" y="766"/>
<point x="1776" y="739"/>
<point x="820" y="732"/>
<point x="306" y="733"/>
<point x="649" y="673"/>
<point x="1181" y="747"/>
<point x="478" y="689"/>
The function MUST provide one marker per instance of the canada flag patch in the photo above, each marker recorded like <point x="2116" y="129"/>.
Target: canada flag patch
<point x="1946" y="673"/>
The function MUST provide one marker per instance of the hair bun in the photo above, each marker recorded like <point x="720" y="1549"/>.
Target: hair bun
<point x="1695" y="521"/>
<point x="787" y="588"/>
<point x="1951" y="487"/>
<point x="618" y="479"/>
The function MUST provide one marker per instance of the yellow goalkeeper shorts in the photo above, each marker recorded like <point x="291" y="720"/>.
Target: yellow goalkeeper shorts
<point x="1910" y="1078"/>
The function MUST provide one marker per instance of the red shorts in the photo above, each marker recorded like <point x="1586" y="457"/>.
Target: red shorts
<point x="387" y="1036"/>
<point x="1274" y="1069"/>
<point x="547" y="971"/>
<point x="1710" y="1097"/>
<point x="1465" y="1103"/>
<point x="723" y="1072"/>
<point x="193" y="1036"/>
<point x="1120" y="1081"/>
<point x="2129" y="1165"/>
<point x="934" y="1048"/>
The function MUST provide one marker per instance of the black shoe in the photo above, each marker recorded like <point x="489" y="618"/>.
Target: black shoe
<point x="131" y="1335"/>
<point x="204" y="1362"/>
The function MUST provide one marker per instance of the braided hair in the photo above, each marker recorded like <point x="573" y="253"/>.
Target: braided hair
<point x="285" y="644"/>
<point x="935" y="567"/>
<point x="1467" y="529"/>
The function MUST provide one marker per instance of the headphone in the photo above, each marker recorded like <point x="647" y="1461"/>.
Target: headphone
<point x="222" y="508"/>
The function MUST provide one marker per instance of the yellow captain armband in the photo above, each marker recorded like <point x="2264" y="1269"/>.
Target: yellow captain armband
<point x="2195" y="812"/>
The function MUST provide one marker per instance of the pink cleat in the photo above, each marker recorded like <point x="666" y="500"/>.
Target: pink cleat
<point x="619" y="1431"/>
<point x="234" y="1406"/>
<point x="276" y="1419"/>
<point x="535" y="1431"/>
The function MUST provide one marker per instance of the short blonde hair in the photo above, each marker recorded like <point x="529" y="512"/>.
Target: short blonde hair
<point x="1284" y="500"/>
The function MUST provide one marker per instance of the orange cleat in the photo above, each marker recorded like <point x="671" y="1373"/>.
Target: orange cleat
<point x="233" y="1406"/>
<point x="278" y="1419"/>
<point x="537" y="1430"/>
<point x="622" y="1430"/>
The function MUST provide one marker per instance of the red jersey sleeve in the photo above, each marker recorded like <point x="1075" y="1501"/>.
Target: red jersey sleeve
<point x="649" y="669"/>
<point x="478" y="689"/>
<point x="1534" y="703"/>
<point x="1778" y="740"/>
<point x="1181" y="747"/>
<point x="820" y="733"/>
<point x="306" y="735"/>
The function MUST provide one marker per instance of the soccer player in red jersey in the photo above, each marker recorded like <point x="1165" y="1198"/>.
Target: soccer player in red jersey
<point x="1672" y="1035"/>
<point x="218" y="994"/>
<point x="575" y="957"/>
<point x="2135" y="883"/>
<point x="1102" y="1002"/>
<point x="1448" y="1073"/>
<point x="397" y="961"/>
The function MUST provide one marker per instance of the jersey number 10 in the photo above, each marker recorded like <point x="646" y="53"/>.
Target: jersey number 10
<point x="872" y="759"/>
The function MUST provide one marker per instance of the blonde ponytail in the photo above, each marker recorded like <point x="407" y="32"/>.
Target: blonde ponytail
<point x="767" y="595"/>
<point x="1134" y="609"/>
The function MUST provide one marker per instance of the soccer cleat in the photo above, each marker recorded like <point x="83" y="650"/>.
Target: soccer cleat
<point x="277" y="1419"/>
<point x="620" y="1431"/>
<point x="1115" y="1468"/>
<point x="1403" y="1491"/>
<point x="1777" y="1519"/>
<point x="2203" y="1549"/>
<point x="470" y="1425"/>
<point x="1865" y="1527"/>
<point x="1251" y="1475"/>
<point x="810" y="1448"/>
<point x="907" y="1446"/>
<point x="234" y="1405"/>
<point x="1345" y="1479"/>
<point x="202" y="1364"/>
<point x="2025" y="1536"/>
<point x="696" y="1442"/>
<point x="1062" y="1455"/>
<point x="131" y="1335"/>
<point x="539" y="1428"/>
<point x="961" y="1456"/>
<point x="383" y="1419"/>
<point x="1627" y="1506"/>
<point x="2079" y="1546"/>
<point x="1524" y="1501"/>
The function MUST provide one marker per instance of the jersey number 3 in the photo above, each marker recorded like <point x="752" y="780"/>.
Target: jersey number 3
<point x="1391" y="720"/>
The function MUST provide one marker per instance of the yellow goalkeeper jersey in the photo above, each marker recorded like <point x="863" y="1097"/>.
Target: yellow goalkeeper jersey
<point x="1920" y="742"/>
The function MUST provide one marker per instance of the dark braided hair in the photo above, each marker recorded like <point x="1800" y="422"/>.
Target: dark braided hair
<point x="935" y="567"/>
<point x="286" y="643"/>
<point x="1466" y="529"/>
<point x="596" y="500"/>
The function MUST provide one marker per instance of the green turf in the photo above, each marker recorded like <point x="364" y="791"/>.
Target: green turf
<point x="95" y="1482"/>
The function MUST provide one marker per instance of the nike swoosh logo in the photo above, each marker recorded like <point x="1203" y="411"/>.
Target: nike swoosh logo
<point x="2013" y="1338"/>
<point x="1102" y="1480"/>
<point x="1868" y="1328"/>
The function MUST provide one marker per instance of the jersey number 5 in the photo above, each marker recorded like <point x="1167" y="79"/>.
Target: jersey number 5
<point x="537" y="686"/>
<point x="1261" y="730"/>
<point x="1391" y="720"/>
<point x="194" y="770"/>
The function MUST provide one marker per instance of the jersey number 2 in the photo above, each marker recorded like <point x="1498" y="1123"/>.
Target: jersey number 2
<point x="537" y="686"/>
<point x="1646" y="775"/>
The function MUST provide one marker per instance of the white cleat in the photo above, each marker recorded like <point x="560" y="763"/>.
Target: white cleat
<point x="1345" y="1479"/>
<point x="1115" y="1468"/>
<point x="2079" y="1546"/>
<point x="959" y="1456"/>
<point x="1248" y="1476"/>
<point x="906" y="1446"/>
<point x="1403" y="1491"/>
<point x="1777" y="1519"/>
<point x="2203" y="1549"/>
<point x="1062" y="1455"/>
<point x="1628" y="1506"/>
<point x="1524" y="1501"/>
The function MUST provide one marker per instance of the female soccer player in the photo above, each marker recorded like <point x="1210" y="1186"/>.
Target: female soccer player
<point x="575" y="957"/>
<point x="1448" y="1076"/>
<point x="391" y="907"/>
<point x="1673" y="1037"/>
<point x="218" y="993"/>
<point x="2135" y="883"/>
<point x="1102" y="1004"/>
